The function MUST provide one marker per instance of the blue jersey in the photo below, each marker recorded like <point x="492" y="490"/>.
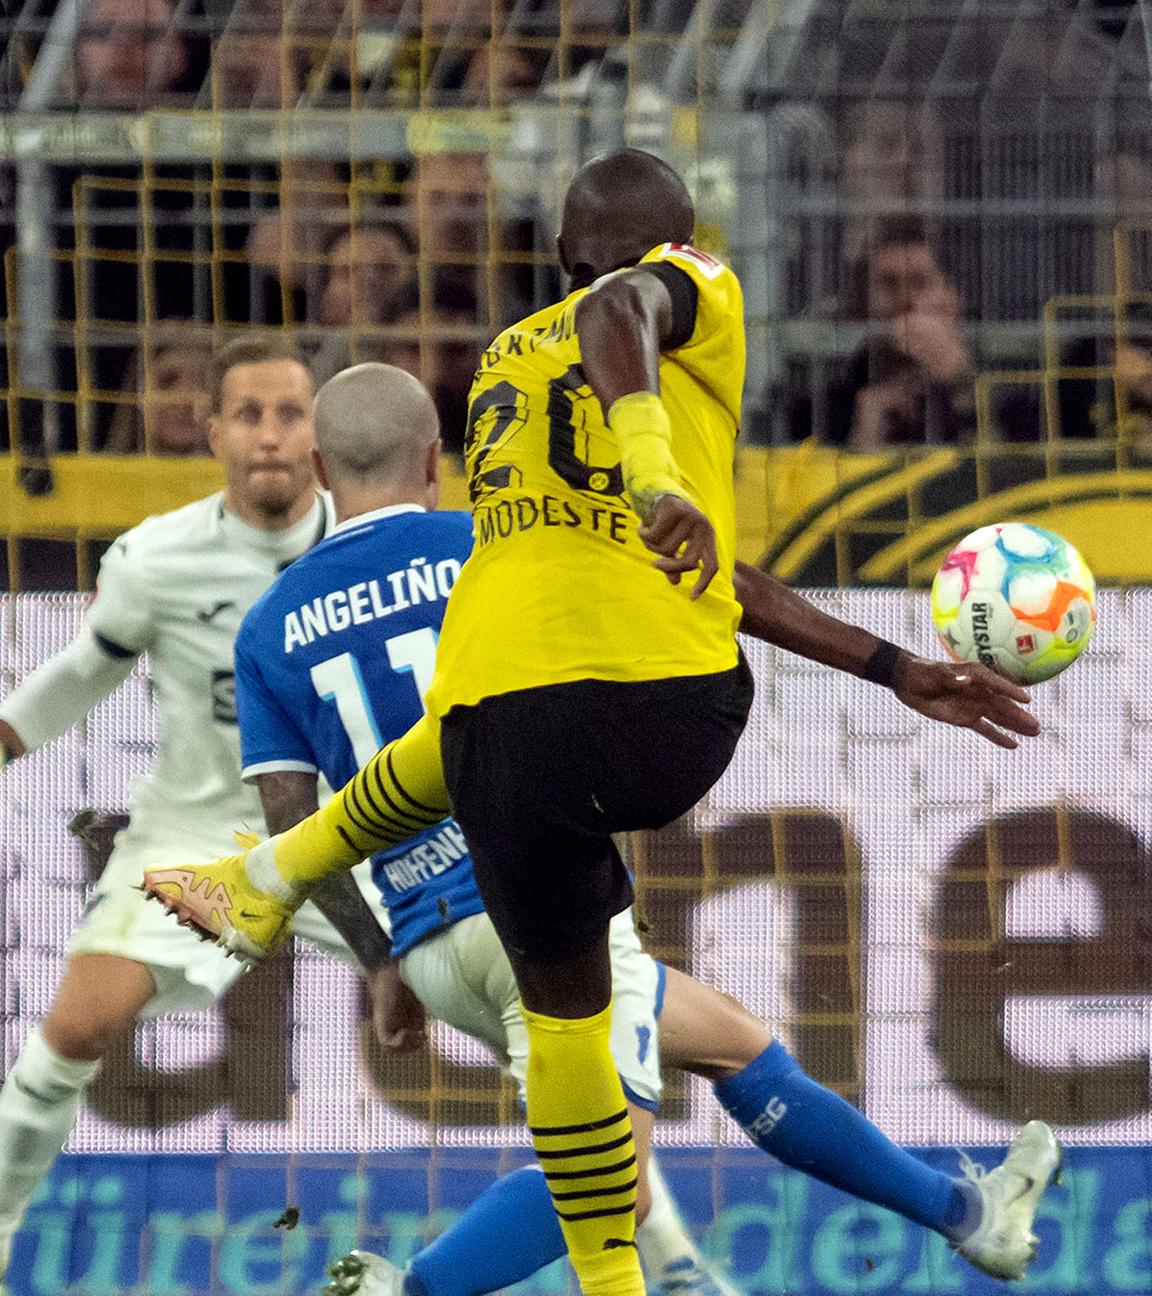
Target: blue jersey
<point x="334" y="661"/>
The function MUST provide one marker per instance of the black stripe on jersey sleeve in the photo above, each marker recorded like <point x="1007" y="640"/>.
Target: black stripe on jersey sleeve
<point x="114" y="649"/>
<point x="685" y="299"/>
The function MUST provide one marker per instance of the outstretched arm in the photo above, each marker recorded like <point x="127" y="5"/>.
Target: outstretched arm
<point x="60" y="693"/>
<point x="120" y="625"/>
<point x="967" y="695"/>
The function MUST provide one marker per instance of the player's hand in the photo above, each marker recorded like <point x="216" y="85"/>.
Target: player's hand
<point x="398" y="1017"/>
<point x="684" y="538"/>
<point x="969" y="696"/>
<point x="10" y="743"/>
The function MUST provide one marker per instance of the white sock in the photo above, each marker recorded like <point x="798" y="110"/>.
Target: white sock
<point x="38" y="1106"/>
<point x="663" y="1239"/>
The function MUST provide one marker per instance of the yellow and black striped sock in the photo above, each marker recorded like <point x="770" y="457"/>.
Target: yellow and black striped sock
<point x="583" y="1136"/>
<point x="398" y="793"/>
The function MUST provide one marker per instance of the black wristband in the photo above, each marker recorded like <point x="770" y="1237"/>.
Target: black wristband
<point x="880" y="668"/>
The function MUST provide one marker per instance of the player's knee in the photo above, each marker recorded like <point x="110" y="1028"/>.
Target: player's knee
<point x="85" y="1037"/>
<point x="750" y="1037"/>
<point x="77" y="1041"/>
<point x="707" y="1032"/>
<point x="98" y="1002"/>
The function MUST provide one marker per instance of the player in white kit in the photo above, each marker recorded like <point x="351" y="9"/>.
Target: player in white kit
<point x="176" y="587"/>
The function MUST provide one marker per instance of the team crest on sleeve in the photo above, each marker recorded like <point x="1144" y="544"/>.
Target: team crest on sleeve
<point x="707" y="265"/>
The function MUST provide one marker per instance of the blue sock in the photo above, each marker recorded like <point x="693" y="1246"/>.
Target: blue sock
<point x="814" y="1130"/>
<point x="508" y="1232"/>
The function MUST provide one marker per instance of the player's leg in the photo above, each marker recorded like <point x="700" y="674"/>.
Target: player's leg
<point x="126" y="960"/>
<point x="99" y="1000"/>
<point x="671" y="1260"/>
<point x="577" y="1113"/>
<point x="538" y="781"/>
<point x="246" y="902"/>
<point x="463" y="978"/>
<point x="810" y="1128"/>
<point x="508" y="1233"/>
<point x="798" y="1121"/>
<point x="518" y="776"/>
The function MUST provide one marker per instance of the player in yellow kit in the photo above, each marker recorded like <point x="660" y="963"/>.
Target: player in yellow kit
<point x="578" y="691"/>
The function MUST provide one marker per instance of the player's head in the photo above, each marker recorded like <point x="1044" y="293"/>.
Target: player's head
<point x="619" y="207"/>
<point x="377" y="439"/>
<point x="261" y="428"/>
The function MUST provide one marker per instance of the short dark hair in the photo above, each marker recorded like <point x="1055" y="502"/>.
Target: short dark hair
<point x="900" y="231"/>
<point x="396" y="229"/>
<point x="250" y="349"/>
<point x="449" y="294"/>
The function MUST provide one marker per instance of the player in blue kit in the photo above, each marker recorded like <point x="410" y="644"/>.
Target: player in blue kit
<point x="331" y="664"/>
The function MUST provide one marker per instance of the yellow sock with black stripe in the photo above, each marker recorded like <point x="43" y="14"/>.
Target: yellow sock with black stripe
<point x="583" y="1137"/>
<point x="398" y="793"/>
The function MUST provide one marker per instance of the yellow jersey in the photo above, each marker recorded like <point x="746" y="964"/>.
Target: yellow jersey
<point x="559" y="586"/>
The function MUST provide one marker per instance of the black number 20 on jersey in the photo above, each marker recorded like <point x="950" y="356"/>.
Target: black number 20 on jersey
<point x="503" y="409"/>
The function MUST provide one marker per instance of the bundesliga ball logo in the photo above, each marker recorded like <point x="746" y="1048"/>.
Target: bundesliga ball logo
<point x="1017" y="598"/>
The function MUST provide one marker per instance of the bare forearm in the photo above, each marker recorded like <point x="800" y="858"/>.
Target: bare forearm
<point x="780" y="616"/>
<point x="340" y="901"/>
<point x="288" y="798"/>
<point x="964" y="694"/>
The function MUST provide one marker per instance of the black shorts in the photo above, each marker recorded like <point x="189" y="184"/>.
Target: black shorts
<point x="541" y="778"/>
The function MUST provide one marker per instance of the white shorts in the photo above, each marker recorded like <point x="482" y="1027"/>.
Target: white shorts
<point x="190" y="974"/>
<point x="463" y="977"/>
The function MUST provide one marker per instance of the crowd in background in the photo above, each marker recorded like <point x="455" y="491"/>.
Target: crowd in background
<point x="418" y="260"/>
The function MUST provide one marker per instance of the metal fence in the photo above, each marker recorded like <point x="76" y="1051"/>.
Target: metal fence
<point x="167" y="161"/>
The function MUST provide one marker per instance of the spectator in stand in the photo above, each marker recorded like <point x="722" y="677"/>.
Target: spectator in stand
<point x="369" y="275"/>
<point x="893" y="152"/>
<point x="262" y="61"/>
<point x="441" y="53"/>
<point x="440" y="344"/>
<point x="169" y="416"/>
<point x="131" y="55"/>
<point x="260" y="57"/>
<point x="456" y="214"/>
<point x="1118" y="402"/>
<point x="502" y="72"/>
<point x="450" y="207"/>
<point x="910" y="381"/>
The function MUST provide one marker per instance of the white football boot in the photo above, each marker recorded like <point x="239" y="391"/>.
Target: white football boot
<point x="1004" y="1244"/>
<point x="689" y="1277"/>
<point x="363" y="1273"/>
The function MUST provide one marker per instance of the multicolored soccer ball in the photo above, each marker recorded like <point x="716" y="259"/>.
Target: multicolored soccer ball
<point x="1017" y="598"/>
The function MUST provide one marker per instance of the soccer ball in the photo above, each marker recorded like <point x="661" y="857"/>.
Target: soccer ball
<point x="1017" y="598"/>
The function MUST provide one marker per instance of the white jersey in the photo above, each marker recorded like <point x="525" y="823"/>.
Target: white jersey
<point x="177" y="587"/>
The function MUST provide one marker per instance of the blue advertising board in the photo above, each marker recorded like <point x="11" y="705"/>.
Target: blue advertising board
<point x="181" y="1225"/>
